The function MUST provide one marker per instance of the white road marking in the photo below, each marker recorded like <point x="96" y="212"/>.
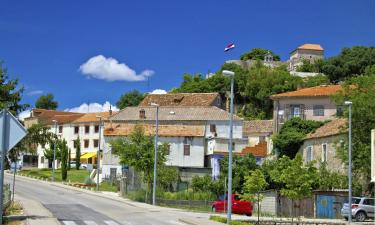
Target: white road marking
<point x="110" y="222"/>
<point x="69" y="222"/>
<point x="89" y="222"/>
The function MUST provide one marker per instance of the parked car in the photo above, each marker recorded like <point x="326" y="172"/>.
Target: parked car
<point x="73" y="165"/>
<point x="238" y="206"/>
<point x="362" y="208"/>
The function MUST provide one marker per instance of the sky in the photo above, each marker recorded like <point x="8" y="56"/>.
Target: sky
<point x="94" y="51"/>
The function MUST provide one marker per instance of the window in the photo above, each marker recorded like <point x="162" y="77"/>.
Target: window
<point x="168" y="149"/>
<point x="186" y="149"/>
<point x="42" y="160"/>
<point x="96" y="128"/>
<point x="318" y="110"/>
<point x="309" y="153"/>
<point x="340" y="110"/>
<point x="368" y="202"/>
<point x="74" y="144"/>
<point x="87" y="129"/>
<point x="212" y="128"/>
<point x="262" y="138"/>
<point x="295" y="110"/>
<point x="324" y="153"/>
<point x="142" y="114"/>
<point x="96" y="143"/>
<point x="76" y="129"/>
<point x="86" y="143"/>
<point x="60" y="129"/>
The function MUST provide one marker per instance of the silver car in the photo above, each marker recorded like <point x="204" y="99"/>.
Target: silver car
<point x="362" y="208"/>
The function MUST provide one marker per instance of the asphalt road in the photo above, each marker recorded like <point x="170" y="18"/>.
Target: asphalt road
<point x="73" y="207"/>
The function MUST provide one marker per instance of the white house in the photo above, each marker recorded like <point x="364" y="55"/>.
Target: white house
<point x="195" y="135"/>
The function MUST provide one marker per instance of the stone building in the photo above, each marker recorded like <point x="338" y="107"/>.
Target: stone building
<point x="310" y="52"/>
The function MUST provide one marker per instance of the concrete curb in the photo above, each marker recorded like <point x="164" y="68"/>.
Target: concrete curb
<point x="198" y="221"/>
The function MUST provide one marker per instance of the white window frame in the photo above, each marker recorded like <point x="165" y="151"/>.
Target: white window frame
<point x="311" y="158"/>
<point x="325" y="154"/>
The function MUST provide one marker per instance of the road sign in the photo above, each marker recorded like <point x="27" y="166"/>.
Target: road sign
<point x="14" y="131"/>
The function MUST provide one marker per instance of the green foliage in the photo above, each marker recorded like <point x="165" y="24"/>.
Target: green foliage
<point x="131" y="98"/>
<point x="77" y="145"/>
<point x="254" y="183"/>
<point x="188" y="195"/>
<point x="329" y="180"/>
<point x="46" y="102"/>
<point x="290" y="138"/>
<point x="10" y="93"/>
<point x="307" y="66"/>
<point x="360" y="90"/>
<point x="88" y="180"/>
<point x="258" y="54"/>
<point x="64" y="159"/>
<point x="298" y="180"/>
<point x="137" y="151"/>
<point x="199" y="183"/>
<point x="167" y="175"/>
<point x="221" y="219"/>
<point x="69" y="159"/>
<point x="350" y="62"/>
<point x="317" y="80"/>
<point x="241" y="167"/>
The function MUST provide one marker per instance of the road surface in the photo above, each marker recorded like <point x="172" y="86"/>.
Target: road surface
<point x="73" y="207"/>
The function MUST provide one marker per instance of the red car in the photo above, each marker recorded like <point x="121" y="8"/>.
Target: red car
<point x="238" y="206"/>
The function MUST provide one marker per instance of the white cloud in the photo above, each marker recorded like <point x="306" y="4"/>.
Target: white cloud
<point x="36" y="92"/>
<point x="159" y="92"/>
<point x="110" y="69"/>
<point x="92" y="107"/>
<point x="23" y="115"/>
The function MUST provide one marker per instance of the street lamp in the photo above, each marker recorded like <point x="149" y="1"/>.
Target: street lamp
<point x="54" y="152"/>
<point x="156" y="152"/>
<point x="349" y="104"/>
<point x="229" y="211"/>
<point x="98" y="154"/>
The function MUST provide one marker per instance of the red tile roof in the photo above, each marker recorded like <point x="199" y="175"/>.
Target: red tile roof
<point x="311" y="47"/>
<point x="181" y="99"/>
<point x="318" y="91"/>
<point x="334" y="127"/>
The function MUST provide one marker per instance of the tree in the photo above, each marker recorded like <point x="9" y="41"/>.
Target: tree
<point x="10" y="93"/>
<point x="137" y="151"/>
<point x="49" y="152"/>
<point x="317" y="80"/>
<point x="131" y="98"/>
<point x="63" y="148"/>
<point x="290" y="138"/>
<point x="258" y="54"/>
<point x="361" y="92"/>
<point x="254" y="184"/>
<point x="242" y="166"/>
<point x="77" y="145"/>
<point x="329" y="180"/>
<point x="46" y="102"/>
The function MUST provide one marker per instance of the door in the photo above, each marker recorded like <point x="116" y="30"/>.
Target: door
<point x="324" y="206"/>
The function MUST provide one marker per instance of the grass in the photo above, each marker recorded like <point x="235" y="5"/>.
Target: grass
<point x="106" y="186"/>
<point x="74" y="176"/>
<point x="224" y="220"/>
<point x="14" y="208"/>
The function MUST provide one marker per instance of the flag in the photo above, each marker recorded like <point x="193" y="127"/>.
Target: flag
<point x="229" y="47"/>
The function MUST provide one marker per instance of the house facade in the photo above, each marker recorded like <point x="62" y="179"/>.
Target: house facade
<point x="314" y="103"/>
<point x="310" y="52"/>
<point x="322" y="145"/>
<point x="194" y="134"/>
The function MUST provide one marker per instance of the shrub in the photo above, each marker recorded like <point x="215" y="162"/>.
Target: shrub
<point x="88" y="180"/>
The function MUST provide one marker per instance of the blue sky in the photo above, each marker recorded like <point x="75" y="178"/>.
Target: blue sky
<point x="44" y="43"/>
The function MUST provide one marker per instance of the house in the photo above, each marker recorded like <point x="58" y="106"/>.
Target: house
<point x="195" y="135"/>
<point x="183" y="99"/>
<point x="312" y="103"/>
<point x="322" y="145"/>
<point x="310" y="52"/>
<point x="259" y="134"/>
<point x="70" y="126"/>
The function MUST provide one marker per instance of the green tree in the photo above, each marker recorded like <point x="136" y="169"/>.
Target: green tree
<point x="48" y="152"/>
<point x="167" y="175"/>
<point x="10" y="93"/>
<point x="77" y="145"/>
<point x="241" y="167"/>
<point x="254" y="184"/>
<point x="290" y="138"/>
<point x="329" y="180"/>
<point x="137" y="151"/>
<point x="131" y="98"/>
<point x="63" y="148"/>
<point x="317" y="80"/>
<point x="46" y="102"/>
<point x="360" y="90"/>
<point x="258" y="54"/>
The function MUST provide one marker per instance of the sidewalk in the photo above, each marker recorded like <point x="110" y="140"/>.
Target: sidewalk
<point x="35" y="212"/>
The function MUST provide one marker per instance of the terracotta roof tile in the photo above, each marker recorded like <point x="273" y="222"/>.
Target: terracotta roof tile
<point x="91" y="117"/>
<point x="178" y="113"/>
<point x="257" y="126"/>
<point x="311" y="47"/>
<point x="334" y="127"/>
<point x="181" y="99"/>
<point x="163" y="130"/>
<point x="323" y="90"/>
<point x="47" y="116"/>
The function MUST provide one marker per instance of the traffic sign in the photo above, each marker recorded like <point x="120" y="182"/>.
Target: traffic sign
<point x="14" y="130"/>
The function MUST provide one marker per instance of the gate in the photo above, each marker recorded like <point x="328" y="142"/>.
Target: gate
<point x="324" y="206"/>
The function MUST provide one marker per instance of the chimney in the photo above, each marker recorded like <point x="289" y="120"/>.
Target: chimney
<point x="110" y="110"/>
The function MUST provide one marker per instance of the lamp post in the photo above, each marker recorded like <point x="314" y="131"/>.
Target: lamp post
<point x="156" y="153"/>
<point x="98" y="154"/>
<point x="349" y="104"/>
<point x="229" y="211"/>
<point x="54" y="152"/>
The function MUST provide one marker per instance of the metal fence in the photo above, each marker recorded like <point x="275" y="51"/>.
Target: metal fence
<point x="297" y="222"/>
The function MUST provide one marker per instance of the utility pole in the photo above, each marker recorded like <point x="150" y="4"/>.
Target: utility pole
<point x="349" y="104"/>
<point x="155" y="153"/>
<point x="54" y="151"/>
<point x="98" y="154"/>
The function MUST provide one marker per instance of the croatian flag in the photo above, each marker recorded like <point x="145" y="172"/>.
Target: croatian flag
<point x="229" y="47"/>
